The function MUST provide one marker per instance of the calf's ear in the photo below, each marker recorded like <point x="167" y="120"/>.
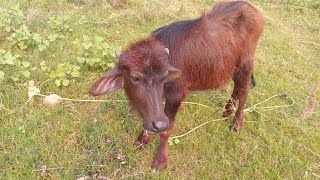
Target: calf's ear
<point x="173" y="74"/>
<point x="109" y="82"/>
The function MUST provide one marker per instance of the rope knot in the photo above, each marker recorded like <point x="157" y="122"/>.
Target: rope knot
<point x="33" y="91"/>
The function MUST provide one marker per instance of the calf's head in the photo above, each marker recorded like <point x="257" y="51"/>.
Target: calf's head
<point x="142" y="70"/>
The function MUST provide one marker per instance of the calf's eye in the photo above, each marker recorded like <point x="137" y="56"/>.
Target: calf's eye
<point x="134" y="79"/>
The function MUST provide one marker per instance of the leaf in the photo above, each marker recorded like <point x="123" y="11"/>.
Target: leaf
<point x="98" y="39"/>
<point x="52" y="37"/>
<point x="81" y="59"/>
<point x="76" y="68"/>
<point x="44" y="68"/>
<point x="37" y="37"/>
<point x="111" y="65"/>
<point x="26" y="74"/>
<point x="87" y="46"/>
<point x="9" y="59"/>
<point x="15" y="78"/>
<point x="1" y="75"/>
<point x="176" y="141"/>
<point x="85" y="38"/>
<point x="75" y="73"/>
<point x="170" y="142"/>
<point x="25" y="64"/>
<point x="65" y="82"/>
<point x="58" y="82"/>
<point x="60" y="74"/>
<point x="41" y="47"/>
<point x="104" y="53"/>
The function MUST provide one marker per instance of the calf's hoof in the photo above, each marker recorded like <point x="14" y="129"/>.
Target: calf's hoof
<point x="234" y="128"/>
<point x="236" y="125"/>
<point x="159" y="164"/>
<point x="142" y="140"/>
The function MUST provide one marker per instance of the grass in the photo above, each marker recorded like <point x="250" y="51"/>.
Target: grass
<point x="76" y="140"/>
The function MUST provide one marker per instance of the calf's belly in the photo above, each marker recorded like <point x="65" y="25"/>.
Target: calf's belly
<point x="203" y="76"/>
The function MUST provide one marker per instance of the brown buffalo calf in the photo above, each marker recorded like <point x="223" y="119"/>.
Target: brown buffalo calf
<point x="199" y="54"/>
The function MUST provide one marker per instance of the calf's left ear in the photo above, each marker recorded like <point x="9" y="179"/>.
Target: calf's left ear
<point x="110" y="82"/>
<point x="173" y="74"/>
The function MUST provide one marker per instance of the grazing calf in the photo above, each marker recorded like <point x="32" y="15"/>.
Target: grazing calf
<point x="205" y="53"/>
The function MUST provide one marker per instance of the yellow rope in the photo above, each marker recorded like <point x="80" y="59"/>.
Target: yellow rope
<point x="34" y="91"/>
<point x="250" y="109"/>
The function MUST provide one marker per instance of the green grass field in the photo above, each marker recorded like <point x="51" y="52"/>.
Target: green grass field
<point x="95" y="140"/>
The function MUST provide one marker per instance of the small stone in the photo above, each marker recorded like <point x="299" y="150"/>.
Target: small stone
<point x="51" y="100"/>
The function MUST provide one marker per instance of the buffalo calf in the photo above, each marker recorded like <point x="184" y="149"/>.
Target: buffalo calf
<point x="199" y="54"/>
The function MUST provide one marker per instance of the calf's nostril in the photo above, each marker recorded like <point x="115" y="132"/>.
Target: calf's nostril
<point x="160" y="126"/>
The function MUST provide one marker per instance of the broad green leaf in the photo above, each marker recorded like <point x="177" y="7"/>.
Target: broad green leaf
<point x="15" y="78"/>
<point x="60" y="74"/>
<point x="44" y="68"/>
<point x="41" y="47"/>
<point x="58" y="82"/>
<point x="170" y="142"/>
<point x="104" y="53"/>
<point x="75" y="73"/>
<point x="81" y="59"/>
<point x="26" y="74"/>
<point x="111" y="65"/>
<point x="98" y="39"/>
<point x="25" y="64"/>
<point x="9" y="59"/>
<point x="87" y="46"/>
<point x="65" y="82"/>
<point x="86" y="54"/>
<point x="37" y="37"/>
<point x="76" y="67"/>
<point x="85" y="38"/>
<point x="52" y="37"/>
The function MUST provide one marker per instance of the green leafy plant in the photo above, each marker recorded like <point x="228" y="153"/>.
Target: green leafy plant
<point x="64" y="73"/>
<point x="11" y="19"/>
<point x="13" y="67"/>
<point x="43" y="66"/>
<point x="13" y="25"/>
<point x="96" y="53"/>
<point x="25" y="39"/>
<point x="60" y="24"/>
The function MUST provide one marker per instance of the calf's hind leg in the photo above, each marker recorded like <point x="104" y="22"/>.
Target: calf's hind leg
<point x="231" y="104"/>
<point x="242" y="85"/>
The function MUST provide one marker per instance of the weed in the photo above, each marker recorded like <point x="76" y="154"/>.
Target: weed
<point x="95" y="53"/>
<point x="63" y="73"/>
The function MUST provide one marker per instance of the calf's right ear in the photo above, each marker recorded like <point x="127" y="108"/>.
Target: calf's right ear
<point x="109" y="82"/>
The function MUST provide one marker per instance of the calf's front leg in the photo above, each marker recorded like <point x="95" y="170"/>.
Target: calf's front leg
<point x="160" y="161"/>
